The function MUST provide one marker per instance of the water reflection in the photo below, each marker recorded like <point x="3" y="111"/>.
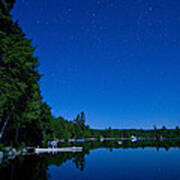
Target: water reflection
<point x="32" y="167"/>
<point x="79" y="161"/>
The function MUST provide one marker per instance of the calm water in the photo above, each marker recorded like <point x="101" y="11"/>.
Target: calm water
<point x="97" y="163"/>
<point x="123" y="164"/>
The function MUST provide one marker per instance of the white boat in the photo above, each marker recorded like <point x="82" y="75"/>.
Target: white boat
<point x="133" y="138"/>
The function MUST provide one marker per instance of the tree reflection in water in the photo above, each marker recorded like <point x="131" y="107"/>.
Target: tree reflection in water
<point x="32" y="167"/>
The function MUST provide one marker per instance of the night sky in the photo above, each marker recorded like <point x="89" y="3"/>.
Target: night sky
<point x="116" y="60"/>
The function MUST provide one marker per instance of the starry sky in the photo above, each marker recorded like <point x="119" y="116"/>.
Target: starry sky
<point x="116" y="60"/>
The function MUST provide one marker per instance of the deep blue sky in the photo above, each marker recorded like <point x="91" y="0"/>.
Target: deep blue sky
<point x="117" y="60"/>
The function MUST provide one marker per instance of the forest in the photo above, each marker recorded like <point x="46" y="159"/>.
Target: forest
<point x="25" y="118"/>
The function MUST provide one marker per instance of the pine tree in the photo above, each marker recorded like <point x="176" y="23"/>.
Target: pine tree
<point x="21" y="105"/>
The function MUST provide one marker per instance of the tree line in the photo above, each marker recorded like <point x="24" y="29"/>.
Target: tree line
<point x="25" y="119"/>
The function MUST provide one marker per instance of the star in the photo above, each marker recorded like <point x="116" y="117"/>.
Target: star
<point x="150" y="8"/>
<point x="37" y="22"/>
<point x="93" y="14"/>
<point x="98" y="2"/>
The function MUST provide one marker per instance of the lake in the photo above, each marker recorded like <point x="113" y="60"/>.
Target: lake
<point x="98" y="161"/>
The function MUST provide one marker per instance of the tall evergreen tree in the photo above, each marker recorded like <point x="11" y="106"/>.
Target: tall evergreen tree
<point x="20" y="99"/>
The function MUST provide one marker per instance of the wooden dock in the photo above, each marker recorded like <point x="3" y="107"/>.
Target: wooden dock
<point x="56" y="150"/>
